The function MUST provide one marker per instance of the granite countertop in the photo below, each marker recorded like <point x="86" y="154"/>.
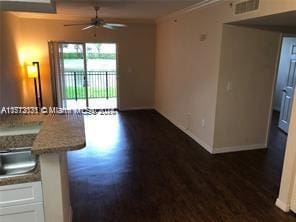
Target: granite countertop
<point x="58" y="133"/>
<point x="17" y="141"/>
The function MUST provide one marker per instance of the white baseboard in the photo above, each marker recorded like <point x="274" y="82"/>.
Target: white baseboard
<point x="209" y="148"/>
<point x="196" y="139"/>
<point x="239" y="148"/>
<point x="283" y="206"/>
<point x="136" y="108"/>
<point x="190" y="134"/>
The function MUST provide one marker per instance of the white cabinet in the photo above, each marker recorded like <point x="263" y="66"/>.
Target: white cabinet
<point x="21" y="203"/>
<point x="22" y="213"/>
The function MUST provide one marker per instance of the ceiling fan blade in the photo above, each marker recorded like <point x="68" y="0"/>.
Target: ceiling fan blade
<point x="109" y="27"/>
<point x="76" y="24"/>
<point x="117" y="25"/>
<point x="88" y="27"/>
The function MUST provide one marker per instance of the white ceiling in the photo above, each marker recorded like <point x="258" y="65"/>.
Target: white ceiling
<point x="114" y="9"/>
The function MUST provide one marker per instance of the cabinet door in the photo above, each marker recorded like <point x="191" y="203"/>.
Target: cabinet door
<point x="20" y="194"/>
<point x="23" y="213"/>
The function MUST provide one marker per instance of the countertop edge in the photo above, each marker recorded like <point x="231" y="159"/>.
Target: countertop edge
<point x="58" y="149"/>
<point x="60" y="133"/>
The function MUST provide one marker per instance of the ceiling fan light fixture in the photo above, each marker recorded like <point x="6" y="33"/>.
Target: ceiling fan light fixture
<point x="98" y="22"/>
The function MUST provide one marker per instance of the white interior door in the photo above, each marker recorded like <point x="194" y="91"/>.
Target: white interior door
<point x="288" y="67"/>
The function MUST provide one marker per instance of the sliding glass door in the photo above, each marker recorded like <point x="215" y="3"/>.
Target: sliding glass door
<point x="101" y="74"/>
<point x="85" y="75"/>
<point x="73" y="70"/>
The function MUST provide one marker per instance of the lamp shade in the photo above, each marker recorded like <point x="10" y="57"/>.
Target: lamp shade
<point x="32" y="71"/>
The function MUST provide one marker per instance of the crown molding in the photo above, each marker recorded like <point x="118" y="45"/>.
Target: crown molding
<point x="187" y="10"/>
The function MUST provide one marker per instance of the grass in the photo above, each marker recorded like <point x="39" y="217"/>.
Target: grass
<point x="111" y="56"/>
<point x="92" y="92"/>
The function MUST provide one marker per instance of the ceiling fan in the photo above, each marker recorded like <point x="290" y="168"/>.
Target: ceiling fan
<point x="98" y="22"/>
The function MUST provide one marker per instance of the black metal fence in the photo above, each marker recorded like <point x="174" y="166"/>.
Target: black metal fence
<point x="94" y="84"/>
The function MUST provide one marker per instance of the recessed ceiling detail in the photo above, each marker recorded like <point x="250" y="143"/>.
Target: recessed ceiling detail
<point x="111" y="9"/>
<point x="282" y="19"/>
<point x="41" y="6"/>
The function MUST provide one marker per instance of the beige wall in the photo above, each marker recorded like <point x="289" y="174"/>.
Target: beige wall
<point x="188" y="69"/>
<point x="11" y="76"/>
<point x="136" y="45"/>
<point x="248" y="63"/>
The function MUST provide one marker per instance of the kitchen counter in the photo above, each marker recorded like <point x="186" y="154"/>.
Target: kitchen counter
<point x="58" y="133"/>
<point x="49" y="137"/>
<point x="17" y="141"/>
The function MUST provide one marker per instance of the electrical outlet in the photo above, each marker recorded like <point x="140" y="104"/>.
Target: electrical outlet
<point x="203" y="123"/>
<point x="203" y="37"/>
<point x="130" y="70"/>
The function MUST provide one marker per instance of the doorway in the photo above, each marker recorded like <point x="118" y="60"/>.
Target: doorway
<point x="87" y="75"/>
<point x="283" y="95"/>
<point x="285" y="84"/>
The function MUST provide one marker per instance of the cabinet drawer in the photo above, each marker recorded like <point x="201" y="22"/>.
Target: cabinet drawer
<point x="19" y="194"/>
<point x="25" y="213"/>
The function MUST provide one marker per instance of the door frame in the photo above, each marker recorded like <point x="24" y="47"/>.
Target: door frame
<point x="117" y="62"/>
<point x="288" y="178"/>
<point x="283" y="35"/>
<point x="85" y="76"/>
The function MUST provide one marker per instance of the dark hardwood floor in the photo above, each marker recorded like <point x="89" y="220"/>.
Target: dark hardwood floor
<point x="138" y="167"/>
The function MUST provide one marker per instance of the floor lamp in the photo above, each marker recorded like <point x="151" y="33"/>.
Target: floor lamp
<point x="33" y="72"/>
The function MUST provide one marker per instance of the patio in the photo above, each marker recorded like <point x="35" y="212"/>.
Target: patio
<point x="96" y="103"/>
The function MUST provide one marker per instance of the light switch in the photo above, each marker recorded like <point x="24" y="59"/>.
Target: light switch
<point x="203" y="123"/>
<point x="229" y="86"/>
<point x="130" y="70"/>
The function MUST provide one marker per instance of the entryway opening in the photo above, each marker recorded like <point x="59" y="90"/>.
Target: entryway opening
<point x="280" y="145"/>
<point x="283" y="94"/>
<point x="87" y="75"/>
<point x="285" y="83"/>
